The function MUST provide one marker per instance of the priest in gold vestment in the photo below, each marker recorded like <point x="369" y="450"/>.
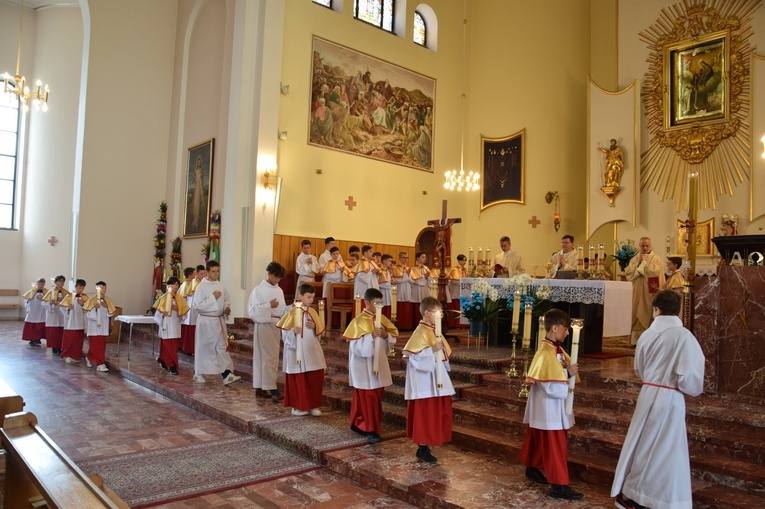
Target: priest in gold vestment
<point x="646" y="272"/>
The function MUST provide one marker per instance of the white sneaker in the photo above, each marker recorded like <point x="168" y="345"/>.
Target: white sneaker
<point x="90" y="364"/>
<point x="231" y="378"/>
<point x="102" y="368"/>
<point x="295" y="411"/>
<point x="199" y="379"/>
<point x="68" y="360"/>
<point x="315" y="412"/>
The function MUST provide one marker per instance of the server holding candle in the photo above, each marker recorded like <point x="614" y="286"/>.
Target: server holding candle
<point x="368" y="386"/>
<point x="544" y="447"/>
<point x="428" y="388"/>
<point x="99" y="309"/>
<point x="303" y="361"/>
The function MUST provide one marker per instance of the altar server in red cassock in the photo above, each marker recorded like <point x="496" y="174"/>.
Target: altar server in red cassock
<point x="188" y="345"/>
<point x="428" y="393"/>
<point x="74" y="323"/>
<point x="404" y="313"/>
<point x="545" y="447"/>
<point x="385" y="280"/>
<point x="170" y="308"/>
<point x="188" y="276"/>
<point x="303" y="359"/>
<point x="420" y="275"/>
<point x="99" y="309"/>
<point x="368" y="343"/>
<point x="54" y="319"/>
<point x="34" y="322"/>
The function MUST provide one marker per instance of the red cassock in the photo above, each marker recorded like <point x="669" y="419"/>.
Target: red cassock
<point x="405" y="315"/>
<point x="302" y="391"/>
<point x="429" y="420"/>
<point x="366" y="409"/>
<point x="33" y="331"/>
<point x="53" y="336"/>
<point x="97" y="350"/>
<point x="187" y="341"/>
<point x="71" y="343"/>
<point x="546" y="450"/>
<point x="168" y="351"/>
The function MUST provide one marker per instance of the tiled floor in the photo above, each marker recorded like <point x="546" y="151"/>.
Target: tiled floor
<point x="91" y="415"/>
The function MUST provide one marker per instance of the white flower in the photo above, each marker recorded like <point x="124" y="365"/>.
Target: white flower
<point x="524" y="280"/>
<point x="544" y="292"/>
<point x="493" y="293"/>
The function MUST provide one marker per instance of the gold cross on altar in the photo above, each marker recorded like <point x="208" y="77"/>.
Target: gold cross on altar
<point x="441" y="226"/>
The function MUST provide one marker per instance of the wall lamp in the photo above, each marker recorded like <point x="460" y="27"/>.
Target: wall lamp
<point x="763" y="146"/>
<point x="549" y="197"/>
<point x="269" y="180"/>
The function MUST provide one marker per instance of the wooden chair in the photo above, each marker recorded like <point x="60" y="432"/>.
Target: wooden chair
<point x="340" y="300"/>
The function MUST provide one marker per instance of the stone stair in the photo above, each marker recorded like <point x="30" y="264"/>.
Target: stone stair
<point x="726" y="432"/>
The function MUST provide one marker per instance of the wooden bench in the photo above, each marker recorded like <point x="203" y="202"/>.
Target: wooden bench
<point x="40" y="474"/>
<point x="340" y="300"/>
<point x="10" y="402"/>
<point x="9" y="293"/>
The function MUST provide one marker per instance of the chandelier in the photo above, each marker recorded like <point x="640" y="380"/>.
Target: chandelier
<point x="15" y="87"/>
<point x="460" y="181"/>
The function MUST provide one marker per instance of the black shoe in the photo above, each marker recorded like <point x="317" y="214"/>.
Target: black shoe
<point x="423" y="454"/>
<point x="161" y="363"/>
<point x="564" y="491"/>
<point x="174" y="371"/>
<point x="275" y="396"/>
<point x="536" y="475"/>
<point x="374" y="438"/>
<point x="35" y="343"/>
<point x="56" y="351"/>
<point x="358" y="430"/>
<point x="626" y="503"/>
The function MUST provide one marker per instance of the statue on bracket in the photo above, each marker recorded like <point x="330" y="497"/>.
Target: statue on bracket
<point x="614" y="170"/>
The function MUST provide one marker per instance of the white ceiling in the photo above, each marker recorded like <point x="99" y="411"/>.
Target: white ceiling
<point x="38" y="4"/>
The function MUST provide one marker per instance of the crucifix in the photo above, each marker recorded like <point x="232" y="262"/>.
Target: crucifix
<point x="441" y="226"/>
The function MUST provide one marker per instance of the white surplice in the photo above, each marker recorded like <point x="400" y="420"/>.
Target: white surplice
<point x="266" y="336"/>
<point x="365" y="279"/>
<point x="210" y="355"/>
<point x="53" y="316"/>
<point x="35" y="307"/>
<point x="74" y="316"/>
<point x="169" y="326"/>
<point x="312" y="354"/>
<point x="306" y="270"/>
<point x="325" y="257"/>
<point x="361" y="363"/>
<point x="421" y="376"/>
<point x="654" y="467"/>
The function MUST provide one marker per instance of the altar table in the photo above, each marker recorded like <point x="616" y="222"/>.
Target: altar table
<point x="132" y="319"/>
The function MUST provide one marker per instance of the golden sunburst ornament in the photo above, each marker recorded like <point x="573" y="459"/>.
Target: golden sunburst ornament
<point x="696" y="97"/>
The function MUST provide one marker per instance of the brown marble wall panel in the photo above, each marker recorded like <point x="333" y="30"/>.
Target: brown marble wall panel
<point x="707" y="294"/>
<point x="741" y="330"/>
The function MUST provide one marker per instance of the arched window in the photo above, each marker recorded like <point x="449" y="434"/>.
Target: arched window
<point x="420" y="29"/>
<point x="325" y="3"/>
<point x="375" y="12"/>
<point x="9" y="144"/>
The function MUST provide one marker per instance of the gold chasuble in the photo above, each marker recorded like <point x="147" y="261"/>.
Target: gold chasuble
<point x="164" y="304"/>
<point x="457" y="273"/>
<point x="545" y="367"/>
<point x="419" y="272"/>
<point x="53" y="293"/>
<point x="365" y="266"/>
<point x="365" y="324"/>
<point x="68" y="300"/>
<point x="91" y="303"/>
<point x="424" y="336"/>
<point x="291" y="320"/>
<point x="399" y="271"/>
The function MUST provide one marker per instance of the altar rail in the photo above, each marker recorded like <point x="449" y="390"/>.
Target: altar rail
<point x="38" y="473"/>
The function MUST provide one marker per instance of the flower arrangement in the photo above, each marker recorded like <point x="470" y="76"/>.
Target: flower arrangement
<point x="476" y="307"/>
<point x="175" y="256"/>
<point x="159" y="237"/>
<point x="625" y="250"/>
<point x="214" y="245"/>
<point x="539" y="301"/>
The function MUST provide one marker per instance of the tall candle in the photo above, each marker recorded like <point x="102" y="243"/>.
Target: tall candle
<point x="488" y="256"/>
<point x="576" y="324"/>
<point x="590" y="253"/>
<point x="471" y="255"/>
<point x="98" y="314"/>
<point x="393" y="302"/>
<point x="322" y="314"/>
<point x="526" y="341"/>
<point x="377" y="341"/>
<point x="440" y="353"/>
<point x="516" y="310"/>
<point x="357" y="307"/>
<point x="433" y="288"/>
<point x="298" y="337"/>
<point x="541" y="333"/>
<point x="480" y="255"/>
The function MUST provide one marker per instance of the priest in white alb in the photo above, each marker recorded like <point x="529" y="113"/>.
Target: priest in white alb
<point x="508" y="263"/>
<point x="565" y="259"/>
<point x="306" y="265"/>
<point x="654" y="466"/>
<point x="646" y="272"/>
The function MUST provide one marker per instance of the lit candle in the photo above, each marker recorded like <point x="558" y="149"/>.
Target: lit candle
<point x="393" y="302"/>
<point x="433" y="288"/>
<point x="440" y="353"/>
<point x="378" y="325"/>
<point x="98" y="299"/>
<point x="488" y="256"/>
<point x="322" y="315"/>
<point x="357" y="307"/>
<point x="590" y="253"/>
<point x="298" y="345"/>
<point x="576" y="324"/>
<point x="471" y="256"/>
<point x="541" y="333"/>
<point x="526" y="341"/>
<point x="480" y="255"/>
<point x="516" y="310"/>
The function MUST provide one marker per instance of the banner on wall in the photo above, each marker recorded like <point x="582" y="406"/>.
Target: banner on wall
<point x="613" y="155"/>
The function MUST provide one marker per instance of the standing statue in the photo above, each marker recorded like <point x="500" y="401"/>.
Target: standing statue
<point x="614" y="164"/>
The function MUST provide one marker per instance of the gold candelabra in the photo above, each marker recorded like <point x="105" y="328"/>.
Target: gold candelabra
<point x="524" y="393"/>
<point x="512" y="372"/>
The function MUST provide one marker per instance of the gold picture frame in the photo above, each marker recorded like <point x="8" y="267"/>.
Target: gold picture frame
<point x="503" y="169"/>
<point x="704" y="233"/>
<point x="696" y="81"/>
<point x="198" y="190"/>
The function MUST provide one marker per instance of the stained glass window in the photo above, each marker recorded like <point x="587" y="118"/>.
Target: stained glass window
<point x="420" y="30"/>
<point x="375" y="12"/>
<point x="325" y="3"/>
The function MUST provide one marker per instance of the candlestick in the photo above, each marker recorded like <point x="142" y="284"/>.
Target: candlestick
<point x="378" y="341"/>
<point x="357" y="305"/>
<point x="589" y="255"/>
<point x="298" y="346"/>
<point x="516" y="311"/>
<point x="541" y="333"/>
<point x="440" y="353"/>
<point x="322" y="314"/>
<point x="393" y="303"/>
<point x="577" y="324"/>
<point x="580" y="263"/>
<point x="526" y="341"/>
<point x="524" y="386"/>
<point x="512" y="373"/>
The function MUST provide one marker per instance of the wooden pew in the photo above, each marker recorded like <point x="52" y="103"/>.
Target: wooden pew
<point x="10" y="293"/>
<point x="10" y="402"/>
<point x="39" y="473"/>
